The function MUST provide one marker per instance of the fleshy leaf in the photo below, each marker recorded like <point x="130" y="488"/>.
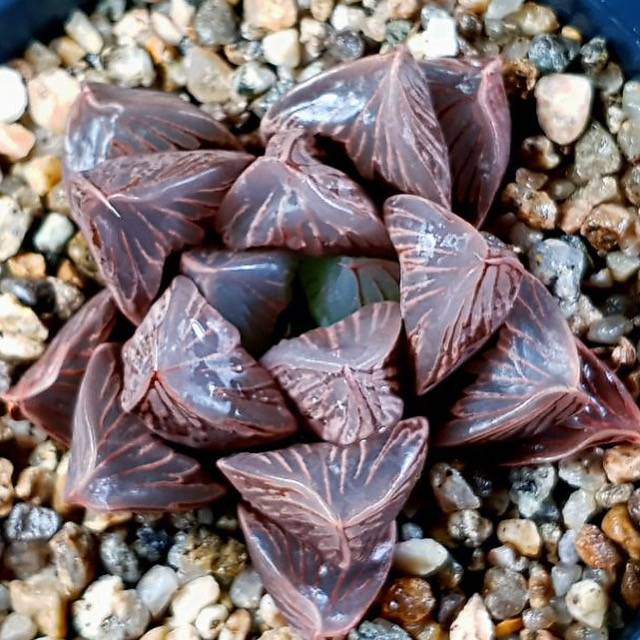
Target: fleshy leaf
<point x="456" y="289"/>
<point x="289" y="199"/>
<point x="344" y="379"/>
<point x="610" y="416"/>
<point x="46" y="393"/>
<point x="107" y="122"/>
<point x="320" y="600"/>
<point x="189" y="379"/>
<point x="135" y="211"/>
<point x="529" y="381"/>
<point x="470" y="100"/>
<point x="380" y="109"/>
<point x="116" y="463"/>
<point x="339" y="500"/>
<point x="336" y="287"/>
<point x="250" y="288"/>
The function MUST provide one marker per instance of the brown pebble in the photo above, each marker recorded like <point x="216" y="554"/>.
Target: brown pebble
<point x="73" y="552"/>
<point x="35" y="484"/>
<point x="618" y="526"/>
<point x="540" y="586"/>
<point x="27" y="265"/>
<point x="535" y="208"/>
<point x="606" y="225"/>
<point x="622" y="464"/>
<point x="520" y="77"/>
<point x="624" y="354"/>
<point x="505" y="628"/>
<point x="595" y="550"/>
<point x="408" y="601"/>
<point x="16" y="141"/>
<point x="630" y="585"/>
<point x="539" y="153"/>
<point x="6" y="486"/>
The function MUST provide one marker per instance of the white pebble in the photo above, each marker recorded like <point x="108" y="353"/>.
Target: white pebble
<point x="54" y="233"/>
<point x="521" y="534"/>
<point x="51" y="95"/>
<point x="351" y="18"/>
<point x="587" y="602"/>
<point x="438" y="40"/>
<point x="631" y="99"/>
<point x="246" y="589"/>
<point x="237" y="626"/>
<point x="210" y="621"/>
<point x="622" y="266"/>
<point x="14" y="95"/>
<point x="419" y="557"/>
<point x="269" y="613"/>
<point x="183" y="632"/>
<point x="564" y="106"/>
<point x="473" y="622"/>
<point x="156" y="588"/>
<point x="14" y="224"/>
<point x="82" y="30"/>
<point x="282" y="48"/>
<point x="583" y="470"/>
<point x="17" y="626"/>
<point x="579" y="508"/>
<point x="498" y="9"/>
<point x="192" y="598"/>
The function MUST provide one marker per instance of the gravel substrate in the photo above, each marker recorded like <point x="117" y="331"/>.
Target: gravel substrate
<point x="544" y="552"/>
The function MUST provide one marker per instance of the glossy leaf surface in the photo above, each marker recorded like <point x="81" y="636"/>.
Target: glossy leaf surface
<point x="289" y="199"/>
<point x="610" y="416"/>
<point x="344" y="379"/>
<point x="250" y="288"/>
<point x="320" y="527"/>
<point x="529" y="381"/>
<point x="108" y="121"/>
<point x="192" y="383"/>
<point x="380" y="109"/>
<point x="456" y="290"/>
<point x="46" y="393"/>
<point x="470" y="100"/>
<point x="116" y="463"/>
<point x="336" y="287"/>
<point x="135" y="211"/>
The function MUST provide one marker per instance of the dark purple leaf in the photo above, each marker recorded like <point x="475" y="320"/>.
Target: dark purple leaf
<point x="344" y="379"/>
<point x="456" y="289"/>
<point x="472" y="106"/>
<point x="323" y="539"/>
<point x="290" y="199"/>
<point x="135" y="211"/>
<point x="261" y="286"/>
<point x="46" y="393"/>
<point x="336" y="287"/>
<point x="610" y="416"/>
<point x="191" y="381"/>
<point x="108" y="121"/>
<point x="116" y="463"/>
<point x="528" y="382"/>
<point x="380" y="108"/>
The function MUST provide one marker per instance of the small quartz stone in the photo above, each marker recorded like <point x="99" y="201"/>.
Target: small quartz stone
<point x="629" y="140"/>
<point x="618" y="526"/>
<point x="567" y="547"/>
<point x="630" y="586"/>
<point x="622" y="464"/>
<point x="156" y="588"/>
<point x="129" y="66"/>
<point x="14" y="224"/>
<point x="345" y="17"/>
<point x="622" y="266"/>
<point x="579" y="507"/>
<point x="451" y="490"/>
<point x="534" y="19"/>
<point x="596" y="154"/>
<point x="499" y="9"/>
<point x="564" y="106"/>
<point x="408" y="601"/>
<point x="594" y="55"/>
<point x="420" y="557"/>
<point x="606" y="226"/>
<point x="208" y="75"/>
<point x="246" y="589"/>
<point x="530" y="486"/>
<point x="73" y="554"/>
<point x="271" y="15"/>
<point x="82" y="30"/>
<point x="563" y="576"/>
<point x="26" y="522"/>
<point x="215" y="23"/>
<point x="631" y="100"/>
<point x="17" y="626"/>
<point x="237" y="626"/>
<point x="282" y="48"/>
<point x="438" y="40"/>
<point x="505" y="593"/>
<point x="469" y="527"/>
<point x="474" y="620"/>
<point x="210" y="621"/>
<point x="507" y="557"/>
<point x="54" y="233"/>
<point x="14" y="95"/>
<point x="631" y="184"/>
<point x="611" y="494"/>
<point x="51" y="95"/>
<point x="587" y="602"/>
<point x="595" y="550"/>
<point x="194" y="596"/>
<point x="118" y="559"/>
<point x="522" y="534"/>
<point x="583" y="470"/>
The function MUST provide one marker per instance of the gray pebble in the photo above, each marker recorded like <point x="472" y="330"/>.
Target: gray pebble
<point x="215" y="23"/>
<point x="609" y="329"/>
<point x="379" y="630"/>
<point x="37" y="294"/>
<point x="246" y="589"/>
<point x="505" y="593"/>
<point x="531" y="486"/>
<point x="594" y="55"/>
<point x="28" y="522"/>
<point x="397" y="31"/>
<point x="253" y="79"/>
<point x="563" y="576"/>
<point x="118" y="559"/>
<point x="53" y="234"/>
<point x="451" y="490"/>
<point x="346" y="45"/>
<point x="469" y="527"/>
<point x="411" y="531"/>
<point x="552" y="54"/>
<point x="567" y="548"/>
<point x="629" y="140"/>
<point x="596" y="154"/>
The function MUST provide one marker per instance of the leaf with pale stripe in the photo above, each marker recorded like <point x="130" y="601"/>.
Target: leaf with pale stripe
<point x="380" y="109"/>
<point x="116" y="463"/>
<point x="107" y="122"/>
<point x="188" y="377"/>
<point x="46" y="393"/>
<point x="455" y="288"/>
<point x="290" y="199"/>
<point x="527" y="383"/>
<point x="344" y="379"/>
<point x="136" y="211"/>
